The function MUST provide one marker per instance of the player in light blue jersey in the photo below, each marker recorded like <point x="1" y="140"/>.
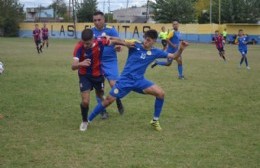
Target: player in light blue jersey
<point x="173" y="40"/>
<point x="109" y="57"/>
<point x="242" y="47"/>
<point x="132" y="78"/>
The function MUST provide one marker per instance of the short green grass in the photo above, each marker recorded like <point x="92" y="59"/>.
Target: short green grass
<point x="209" y="120"/>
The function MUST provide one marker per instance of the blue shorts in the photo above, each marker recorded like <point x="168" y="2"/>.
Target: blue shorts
<point x="88" y="83"/>
<point x="110" y="69"/>
<point x="243" y="51"/>
<point x="125" y="85"/>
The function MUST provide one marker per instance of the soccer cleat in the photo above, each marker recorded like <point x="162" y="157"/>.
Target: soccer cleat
<point x="248" y="67"/>
<point x="153" y="65"/>
<point x="156" y="125"/>
<point x="104" y="115"/>
<point x="83" y="126"/>
<point x="120" y="107"/>
<point x="181" y="77"/>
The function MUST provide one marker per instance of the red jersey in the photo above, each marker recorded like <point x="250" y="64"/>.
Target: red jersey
<point x="219" y="41"/>
<point x="45" y="32"/>
<point x="37" y="34"/>
<point x="94" y="54"/>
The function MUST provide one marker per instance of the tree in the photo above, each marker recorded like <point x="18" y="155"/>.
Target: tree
<point x="85" y="10"/>
<point x="167" y="10"/>
<point x="11" y="13"/>
<point x="59" y="7"/>
<point x="236" y="11"/>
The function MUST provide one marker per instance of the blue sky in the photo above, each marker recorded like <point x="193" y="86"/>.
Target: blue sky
<point x="102" y="4"/>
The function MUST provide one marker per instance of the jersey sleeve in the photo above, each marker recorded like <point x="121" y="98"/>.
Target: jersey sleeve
<point x="162" y="54"/>
<point x="112" y="31"/>
<point x="77" y="52"/>
<point x="105" y="41"/>
<point x="170" y="35"/>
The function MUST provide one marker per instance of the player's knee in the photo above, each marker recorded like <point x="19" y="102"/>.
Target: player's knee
<point x="160" y="94"/>
<point x="85" y="103"/>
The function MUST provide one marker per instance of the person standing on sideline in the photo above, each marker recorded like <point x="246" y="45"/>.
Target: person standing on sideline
<point x="87" y="60"/>
<point x="173" y="40"/>
<point x="37" y="38"/>
<point x="45" y="36"/>
<point x="132" y="78"/>
<point x="218" y="39"/>
<point x="242" y="47"/>
<point x="163" y="35"/>
<point x="224" y="33"/>
<point x="109" y="57"/>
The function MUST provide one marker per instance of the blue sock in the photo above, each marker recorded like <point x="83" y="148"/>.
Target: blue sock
<point x="161" y="63"/>
<point x="180" y="70"/>
<point x="99" y="101"/>
<point x="99" y="108"/>
<point x="157" y="108"/>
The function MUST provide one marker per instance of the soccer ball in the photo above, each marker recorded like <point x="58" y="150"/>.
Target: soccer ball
<point x="1" y="68"/>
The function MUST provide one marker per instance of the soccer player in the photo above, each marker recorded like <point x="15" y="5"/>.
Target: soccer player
<point x="45" y="36"/>
<point x="163" y="35"/>
<point x="87" y="60"/>
<point x="37" y="38"/>
<point x="173" y="40"/>
<point x="109" y="57"/>
<point x="219" y="40"/>
<point x="224" y="33"/>
<point x="242" y="47"/>
<point x="132" y="78"/>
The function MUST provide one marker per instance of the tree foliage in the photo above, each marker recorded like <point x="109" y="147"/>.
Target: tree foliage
<point x="231" y="11"/>
<point x="167" y="10"/>
<point x="11" y="13"/>
<point x="85" y="10"/>
<point x="59" y="7"/>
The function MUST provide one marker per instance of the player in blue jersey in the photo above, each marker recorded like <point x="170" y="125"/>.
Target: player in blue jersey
<point x="109" y="57"/>
<point x="173" y="40"/>
<point x="132" y="78"/>
<point x="242" y="47"/>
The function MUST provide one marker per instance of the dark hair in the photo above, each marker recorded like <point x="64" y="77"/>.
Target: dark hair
<point x="151" y="33"/>
<point x="175" y="20"/>
<point x="98" y="13"/>
<point x="87" y="34"/>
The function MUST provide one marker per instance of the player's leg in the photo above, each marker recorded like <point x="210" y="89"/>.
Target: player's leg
<point x="158" y="104"/>
<point x="180" y="68"/>
<point x="242" y="58"/>
<point x="118" y="91"/>
<point x="112" y="74"/>
<point x="162" y="63"/>
<point x="84" y="107"/>
<point x="85" y="88"/>
<point x="37" y="46"/>
<point x="245" y="55"/>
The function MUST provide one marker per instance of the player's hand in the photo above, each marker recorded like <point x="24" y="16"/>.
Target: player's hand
<point x="86" y="63"/>
<point x="129" y="44"/>
<point x="183" y="45"/>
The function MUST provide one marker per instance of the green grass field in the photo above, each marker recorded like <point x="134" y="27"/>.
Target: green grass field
<point x="210" y="120"/>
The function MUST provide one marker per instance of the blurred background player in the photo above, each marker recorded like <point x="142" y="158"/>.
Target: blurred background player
<point x="224" y="33"/>
<point x="219" y="41"/>
<point x="37" y="38"/>
<point x="163" y="35"/>
<point x="242" y="47"/>
<point x="109" y="57"/>
<point x="173" y="40"/>
<point x="45" y="36"/>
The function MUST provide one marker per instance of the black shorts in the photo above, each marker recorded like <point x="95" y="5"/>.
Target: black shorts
<point x="37" y="42"/>
<point x="88" y="83"/>
<point x="164" y="43"/>
<point x="220" y="49"/>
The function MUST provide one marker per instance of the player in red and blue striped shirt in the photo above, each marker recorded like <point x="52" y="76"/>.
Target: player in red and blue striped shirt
<point x="219" y="41"/>
<point x="45" y="35"/>
<point x="37" y="38"/>
<point x="87" y="60"/>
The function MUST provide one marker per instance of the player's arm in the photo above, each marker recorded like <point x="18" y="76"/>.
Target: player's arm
<point x="177" y="54"/>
